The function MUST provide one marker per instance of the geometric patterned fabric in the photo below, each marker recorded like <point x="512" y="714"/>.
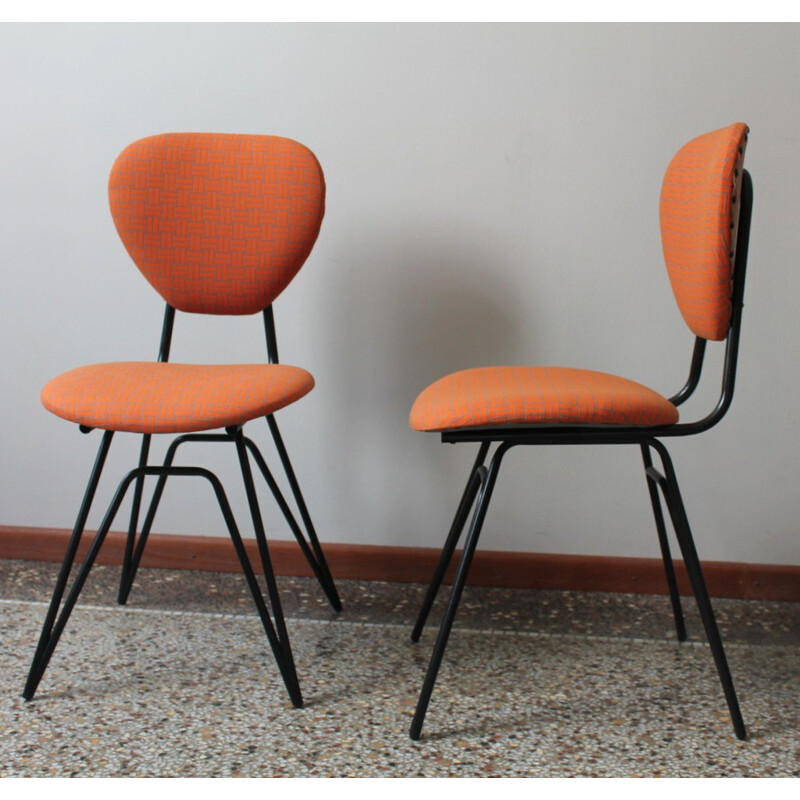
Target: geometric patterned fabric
<point x="489" y="396"/>
<point x="217" y="223"/>
<point x="699" y="213"/>
<point x="156" y="397"/>
<point x="699" y="219"/>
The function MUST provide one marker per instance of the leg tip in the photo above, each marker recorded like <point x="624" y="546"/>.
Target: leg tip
<point x="416" y="727"/>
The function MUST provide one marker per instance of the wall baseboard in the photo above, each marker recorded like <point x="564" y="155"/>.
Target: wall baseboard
<point x="416" y="564"/>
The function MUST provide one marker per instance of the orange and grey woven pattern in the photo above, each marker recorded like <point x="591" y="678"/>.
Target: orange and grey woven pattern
<point x="537" y="395"/>
<point x="155" y="397"/>
<point x="218" y="224"/>
<point x="699" y="215"/>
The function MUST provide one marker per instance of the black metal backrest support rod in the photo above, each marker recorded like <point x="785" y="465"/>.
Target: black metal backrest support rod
<point x="166" y="333"/>
<point x="272" y="339"/>
<point x="694" y="373"/>
<point x="737" y="296"/>
<point x="269" y="332"/>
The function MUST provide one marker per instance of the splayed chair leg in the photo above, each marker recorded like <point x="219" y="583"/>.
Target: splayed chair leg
<point x="318" y="564"/>
<point x="487" y="479"/>
<point x="48" y="638"/>
<point x="666" y="555"/>
<point x="683" y="532"/>
<point x="129" y="567"/>
<point x="467" y="499"/>
<point x="284" y="653"/>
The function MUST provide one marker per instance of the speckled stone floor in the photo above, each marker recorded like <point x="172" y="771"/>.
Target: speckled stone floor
<point x="180" y="683"/>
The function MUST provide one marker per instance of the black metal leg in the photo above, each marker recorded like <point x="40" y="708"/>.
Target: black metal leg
<point x="56" y="622"/>
<point x="319" y="568"/>
<point x="286" y="660"/>
<point x="488" y="480"/>
<point x="327" y="584"/>
<point x="129" y="573"/>
<point x="681" y="524"/>
<point x="131" y="566"/>
<point x="252" y="582"/>
<point x="279" y="648"/>
<point x="39" y="662"/>
<point x="43" y="658"/>
<point x="467" y="499"/>
<point x="128" y="568"/>
<point x="315" y="557"/>
<point x="666" y="555"/>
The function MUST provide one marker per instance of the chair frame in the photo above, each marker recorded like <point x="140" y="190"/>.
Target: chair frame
<point x="274" y="624"/>
<point x="481" y="482"/>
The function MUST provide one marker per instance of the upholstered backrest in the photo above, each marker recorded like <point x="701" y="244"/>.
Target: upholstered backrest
<point x="699" y="218"/>
<point x="217" y="223"/>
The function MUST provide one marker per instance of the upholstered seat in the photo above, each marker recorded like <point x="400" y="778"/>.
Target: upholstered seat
<point x="159" y="397"/>
<point x="537" y="395"/>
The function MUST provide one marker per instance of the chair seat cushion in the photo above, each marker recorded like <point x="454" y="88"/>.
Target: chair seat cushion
<point x="537" y="395"/>
<point x="154" y="397"/>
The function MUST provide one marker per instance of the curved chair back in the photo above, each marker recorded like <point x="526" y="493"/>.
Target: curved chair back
<point x="699" y="219"/>
<point x="217" y="223"/>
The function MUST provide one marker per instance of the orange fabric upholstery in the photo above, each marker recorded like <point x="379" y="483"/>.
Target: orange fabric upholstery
<point x="699" y="214"/>
<point x="537" y="395"/>
<point x="705" y="191"/>
<point x="218" y="224"/>
<point x="155" y="397"/>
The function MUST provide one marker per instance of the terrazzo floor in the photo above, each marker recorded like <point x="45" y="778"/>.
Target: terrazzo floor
<point x="534" y="683"/>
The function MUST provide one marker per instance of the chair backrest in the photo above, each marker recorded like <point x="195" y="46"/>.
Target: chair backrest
<point x="217" y="223"/>
<point x="699" y="219"/>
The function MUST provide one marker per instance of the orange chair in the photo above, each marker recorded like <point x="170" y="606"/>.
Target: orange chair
<point x="218" y="224"/>
<point x="706" y="202"/>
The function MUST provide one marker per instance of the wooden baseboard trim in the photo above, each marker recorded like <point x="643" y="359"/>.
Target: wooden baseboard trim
<point x="416" y="564"/>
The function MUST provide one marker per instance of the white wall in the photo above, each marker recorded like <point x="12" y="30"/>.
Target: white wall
<point x="492" y="198"/>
